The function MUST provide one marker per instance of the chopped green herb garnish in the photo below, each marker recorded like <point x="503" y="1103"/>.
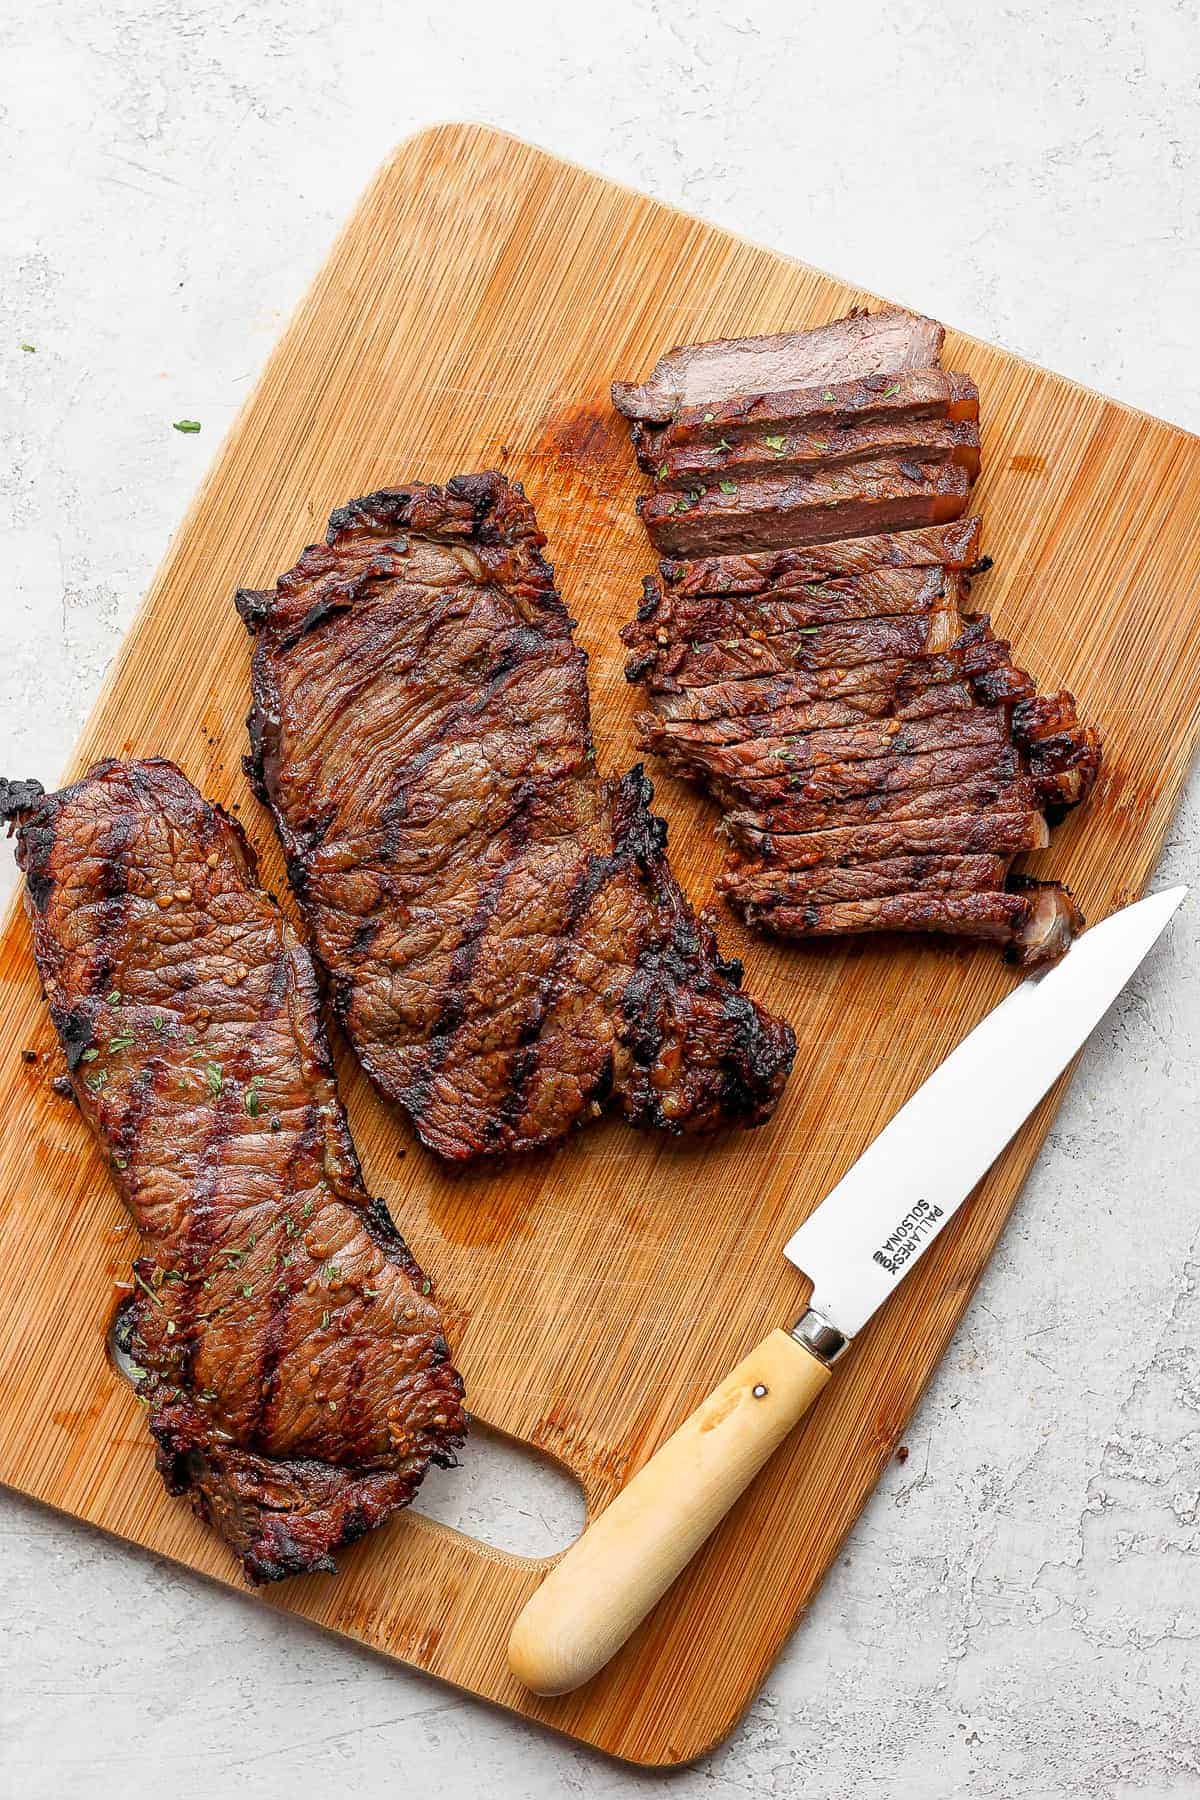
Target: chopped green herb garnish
<point x="778" y="444"/>
<point x="146" y="1288"/>
<point x="90" y="1055"/>
<point x="662" y="469"/>
<point x="29" y="349"/>
<point x="724" y="444"/>
<point x="96" y="1080"/>
<point x="306" y="1209"/>
<point x="827" y="396"/>
<point x="807" y="630"/>
<point x="187" y="425"/>
<point x="121" y="1041"/>
<point x="333" y="1272"/>
<point x="253" y="1102"/>
<point x="159" y="1023"/>
<point x="729" y="487"/>
<point x="214" y="1075"/>
<point x="427" y="1286"/>
<point x="370" y="1293"/>
<point x="888" y="392"/>
<point x="709" y="417"/>
<point x="114" y="999"/>
<point x="248" y="1289"/>
<point x="324" y="1321"/>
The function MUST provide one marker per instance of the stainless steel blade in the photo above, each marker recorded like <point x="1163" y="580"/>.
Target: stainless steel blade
<point x="906" y="1186"/>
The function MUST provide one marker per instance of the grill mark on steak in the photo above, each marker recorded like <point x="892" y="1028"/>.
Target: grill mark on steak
<point x="295" y="1410"/>
<point x="484" y="903"/>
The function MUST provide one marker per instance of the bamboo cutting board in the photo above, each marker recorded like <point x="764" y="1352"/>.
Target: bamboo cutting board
<point x="473" y="313"/>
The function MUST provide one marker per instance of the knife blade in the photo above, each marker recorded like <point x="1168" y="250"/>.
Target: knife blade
<point x="857" y="1246"/>
<point x="867" y="1233"/>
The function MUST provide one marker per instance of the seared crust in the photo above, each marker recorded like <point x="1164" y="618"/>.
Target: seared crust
<point x="507" y="949"/>
<point x="294" y="1366"/>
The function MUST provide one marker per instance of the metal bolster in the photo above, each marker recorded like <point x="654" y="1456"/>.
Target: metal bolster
<point x="815" y="1334"/>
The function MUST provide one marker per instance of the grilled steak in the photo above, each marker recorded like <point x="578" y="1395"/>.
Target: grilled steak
<point x="847" y="431"/>
<point x="294" y="1367"/>
<point x="888" y="342"/>
<point x="507" y="948"/>
<point x="804" y="506"/>
<point x="690" y="466"/>
<point x="809" y="651"/>
<point x="880" y="758"/>
<point x="954" y="546"/>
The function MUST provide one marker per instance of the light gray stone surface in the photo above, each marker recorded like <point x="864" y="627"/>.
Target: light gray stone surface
<point x="1018" y="1611"/>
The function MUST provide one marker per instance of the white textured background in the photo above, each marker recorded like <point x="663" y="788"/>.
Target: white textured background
<point x="1018" y="1612"/>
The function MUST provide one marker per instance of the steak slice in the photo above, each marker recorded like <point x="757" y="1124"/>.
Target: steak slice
<point x="953" y="546"/>
<point x="915" y="394"/>
<point x="687" y="466"/>
<point x="1034" y="922"/>
<point x="1001" y="787"/>
<point x="293" y="1363"/>
<point x="790" y="508"/>
<point x="507" y="948"/>
<point x="780" y="854"/>
<point x="907" y="872"/>
<point x="887" y="342"/>
<point x="668" y="619"/>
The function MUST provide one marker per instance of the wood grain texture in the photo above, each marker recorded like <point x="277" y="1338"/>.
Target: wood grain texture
<point x="473" y="312"/>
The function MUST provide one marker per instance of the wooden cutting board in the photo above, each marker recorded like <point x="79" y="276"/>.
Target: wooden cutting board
<point x="473" y="313"/>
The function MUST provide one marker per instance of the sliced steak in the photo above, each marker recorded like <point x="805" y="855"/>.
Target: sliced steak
<point x="292" y="1360"/>
<point x="953" y="546"/>
<point x="780" y="853"/>
<point x="930" y="394"/>
<point x="789" y="508"/>
<point x="667" y="619"/>
<point x="887" y="342"/>
<point x="809" y="650"/>
<point x="507" y="948"/>
<point x="1033" y="922"/>
<point x="906" y="872"/>
<point x="689" y="466"/>
<point x="1001" y="787"/>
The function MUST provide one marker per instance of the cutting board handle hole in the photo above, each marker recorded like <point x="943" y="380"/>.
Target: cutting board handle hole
<point x="507" y="1495"/>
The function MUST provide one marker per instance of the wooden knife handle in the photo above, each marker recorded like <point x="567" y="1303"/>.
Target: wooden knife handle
<point x="625" y="1561"/>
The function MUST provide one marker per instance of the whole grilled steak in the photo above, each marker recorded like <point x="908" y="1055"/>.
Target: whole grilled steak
<point x="297" y="1379"/>
<point x="507" y="948"/>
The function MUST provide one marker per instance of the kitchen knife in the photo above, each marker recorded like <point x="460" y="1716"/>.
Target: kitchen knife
<point x="857" y="1246"/>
